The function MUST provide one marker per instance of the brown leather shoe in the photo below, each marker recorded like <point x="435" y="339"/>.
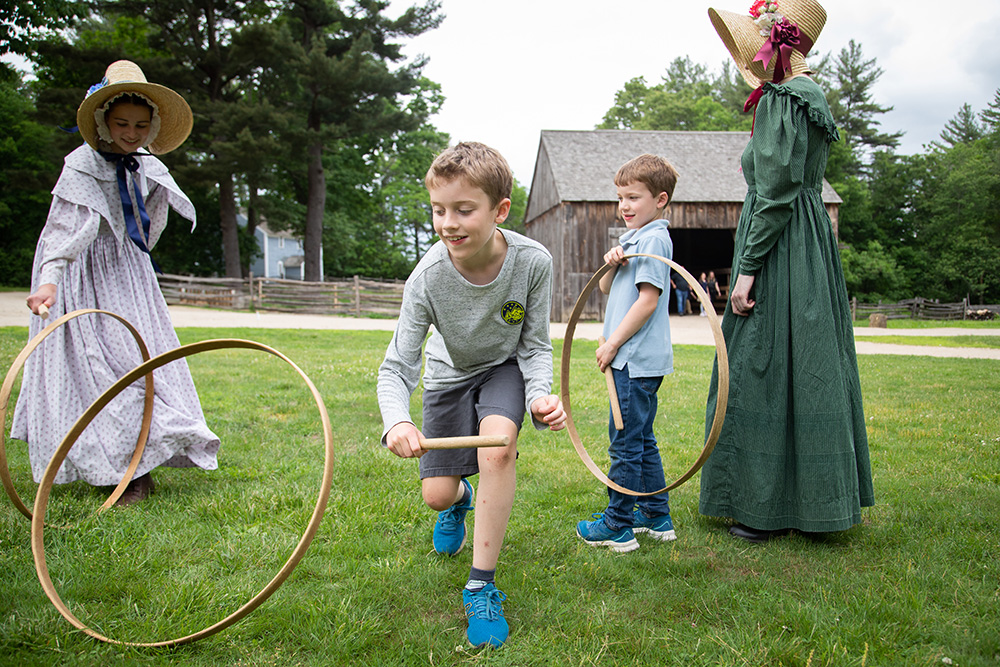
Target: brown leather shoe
<point x="138" y="489"/>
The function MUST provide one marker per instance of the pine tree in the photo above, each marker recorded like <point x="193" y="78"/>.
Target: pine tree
<point x="963" y="128"/>
<point x="854" y="109"/>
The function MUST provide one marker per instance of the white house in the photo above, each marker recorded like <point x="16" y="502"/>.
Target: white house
<point x="283" y="255"/>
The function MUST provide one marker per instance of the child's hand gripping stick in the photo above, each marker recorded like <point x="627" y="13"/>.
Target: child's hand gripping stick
<point x="616" y="410"/>
<point x="465" y="441"/>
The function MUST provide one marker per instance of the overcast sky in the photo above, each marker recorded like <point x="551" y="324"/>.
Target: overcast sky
<point x="511" y="69"/>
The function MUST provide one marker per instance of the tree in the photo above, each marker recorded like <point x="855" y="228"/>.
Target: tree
<point x="208" y="54"/>
<point x="686" y="99"/>
<point x="958" y="215"/>
<point x="854" y="110"/>
<point x="963" y="128"/>
<point x="990" y="118"/>
<point x="23" y="22"/>
<point x="27" y="177"/>
<point x="402" y="165"/>
<point x="629" y="106"/>
<point x="893" y="188"/>
<point x="871" y="274"/>
<point x="862" y="145"/>
<point x="344" y="87"/>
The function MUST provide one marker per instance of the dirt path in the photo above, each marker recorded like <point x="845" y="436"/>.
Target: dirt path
<point x="688" y="330"/>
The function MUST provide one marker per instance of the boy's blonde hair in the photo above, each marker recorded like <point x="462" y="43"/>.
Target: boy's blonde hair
<point x="652" y="171"/>
<point x="482" y="166"/>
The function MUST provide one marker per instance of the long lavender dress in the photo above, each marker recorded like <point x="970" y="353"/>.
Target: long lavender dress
<point x="84" y="250"/>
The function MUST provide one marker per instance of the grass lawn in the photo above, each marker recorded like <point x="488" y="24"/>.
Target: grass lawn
<point x="917" y="584"/>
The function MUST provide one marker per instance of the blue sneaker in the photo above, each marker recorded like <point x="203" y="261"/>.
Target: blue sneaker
<point x="596" y="533"/>
<point x="484" y="609"/>
<point x="659" y="528"/>
<point x="449" y="531"/>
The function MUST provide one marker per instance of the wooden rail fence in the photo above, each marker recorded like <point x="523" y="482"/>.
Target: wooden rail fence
<point x="358" y="296"/>
<point x="342" y="296"/>
<point x="917" y="309"/>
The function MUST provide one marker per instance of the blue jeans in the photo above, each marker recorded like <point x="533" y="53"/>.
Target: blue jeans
<point x="682" y="298"/>
<point x="635" y="459"/>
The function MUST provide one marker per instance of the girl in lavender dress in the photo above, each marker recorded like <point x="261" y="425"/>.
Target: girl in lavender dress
<point x="108" y="209"/>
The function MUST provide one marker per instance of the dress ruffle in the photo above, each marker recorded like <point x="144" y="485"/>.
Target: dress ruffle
<point x="818" y="114"/>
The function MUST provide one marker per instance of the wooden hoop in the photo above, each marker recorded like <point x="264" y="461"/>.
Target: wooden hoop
<point x="42" y="498"/>
<point x="720" y="407"/>
<point x="8" y="385"/>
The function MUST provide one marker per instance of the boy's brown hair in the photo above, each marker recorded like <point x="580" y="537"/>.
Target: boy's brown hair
<point x="482" y="166"/>
<point x="652" y="171"/>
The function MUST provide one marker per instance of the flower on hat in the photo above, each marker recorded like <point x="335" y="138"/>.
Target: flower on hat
<point x="765" y="14"/>
<point x="97" y="86"/>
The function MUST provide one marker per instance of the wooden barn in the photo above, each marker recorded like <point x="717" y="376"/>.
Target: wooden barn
<point x="572" y="207"/>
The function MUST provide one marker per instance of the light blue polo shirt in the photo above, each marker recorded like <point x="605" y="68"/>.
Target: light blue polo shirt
<point x="648" y="353"/>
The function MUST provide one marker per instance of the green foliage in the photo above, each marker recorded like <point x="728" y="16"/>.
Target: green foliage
<point x="267" y="81"/>
<point x="518" y="206"/>
<point x="963" y="128"/>
<point x="23" y="22"/>
<point x="853" y="106"/>
<point x="960" y="221"/>
<point x="184" y="251"/>
<point x="855" y="224"/>
<point x="25" y="180"/>
<point x="340" y="81"/>
<point x="871" y="274"/>
<point x="686" y="99"/>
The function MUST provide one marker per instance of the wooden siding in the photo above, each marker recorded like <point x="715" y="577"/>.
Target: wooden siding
<point x="714" y="215"/>
<point x="544" y="193"/>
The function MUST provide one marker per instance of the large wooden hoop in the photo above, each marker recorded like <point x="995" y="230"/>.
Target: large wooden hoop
<point x="720" y="406"/>
<point x="42" y="498"/>
<point x="8" y="385"/>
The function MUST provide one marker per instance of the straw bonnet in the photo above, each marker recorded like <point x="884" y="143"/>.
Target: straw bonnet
<point x="124" y="76"/>
<point x="773" y="30"/>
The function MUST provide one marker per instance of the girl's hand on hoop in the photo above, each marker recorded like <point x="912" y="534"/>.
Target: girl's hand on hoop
<point x="403" y="440"/>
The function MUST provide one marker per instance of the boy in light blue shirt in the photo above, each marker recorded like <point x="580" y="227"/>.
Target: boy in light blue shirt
<point x="638" y="350"/>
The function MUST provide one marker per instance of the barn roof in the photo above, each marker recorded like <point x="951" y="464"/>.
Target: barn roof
<point x="580" y="165"/>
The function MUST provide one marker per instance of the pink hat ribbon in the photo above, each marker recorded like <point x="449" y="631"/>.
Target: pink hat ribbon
<point x="784" y="38"/>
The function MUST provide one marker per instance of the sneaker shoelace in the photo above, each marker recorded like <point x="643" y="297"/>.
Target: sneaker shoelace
<point x="486" y="604"/>
<point x="449" y="517"/>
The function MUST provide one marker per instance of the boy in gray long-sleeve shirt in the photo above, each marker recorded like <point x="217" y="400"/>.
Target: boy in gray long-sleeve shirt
<point x="487" y="294"/>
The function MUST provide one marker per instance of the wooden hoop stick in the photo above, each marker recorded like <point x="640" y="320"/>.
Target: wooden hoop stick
<point x="43" y="311"/>
<point x="723" y="364"/>
<point x="45" y="487"/>
<point x="616" y="408"/>
<point x="465" y="441"/>
<point x="8" y="385"/>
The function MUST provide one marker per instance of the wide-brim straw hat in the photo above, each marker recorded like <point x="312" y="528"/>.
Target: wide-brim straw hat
<point x="742" y="37"/>
<point x="124" y="76"/>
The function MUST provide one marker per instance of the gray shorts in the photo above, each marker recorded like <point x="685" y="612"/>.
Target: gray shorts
<point x="458" y="411"/>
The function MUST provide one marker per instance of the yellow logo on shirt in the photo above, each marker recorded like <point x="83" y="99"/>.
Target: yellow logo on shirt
<point x="512" y="312"/>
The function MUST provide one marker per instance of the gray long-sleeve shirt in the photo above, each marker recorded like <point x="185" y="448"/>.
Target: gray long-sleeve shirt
<point x="476" y="327"/>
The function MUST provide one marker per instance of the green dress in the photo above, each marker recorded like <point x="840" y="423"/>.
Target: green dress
<point x="793" y="452"/>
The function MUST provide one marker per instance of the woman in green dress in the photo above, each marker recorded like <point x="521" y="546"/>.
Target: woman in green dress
<point x="793" y="452"/>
